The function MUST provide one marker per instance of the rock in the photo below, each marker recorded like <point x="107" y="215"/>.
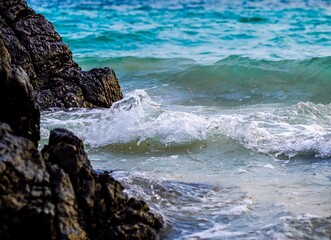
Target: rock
<point x="58" y="81"/>
<point x="35" y="203"/>
<point x="57" y="195"/>
<point x="106" y="212"/>
<point x="17" y="99"/>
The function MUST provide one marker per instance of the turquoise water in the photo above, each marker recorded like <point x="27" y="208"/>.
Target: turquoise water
<point x="225" y="127"/>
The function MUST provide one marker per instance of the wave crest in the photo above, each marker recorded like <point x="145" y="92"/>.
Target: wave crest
<point x="301" y="129"/>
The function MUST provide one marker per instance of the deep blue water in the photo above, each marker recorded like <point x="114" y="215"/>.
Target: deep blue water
<point x="225" y="127"/>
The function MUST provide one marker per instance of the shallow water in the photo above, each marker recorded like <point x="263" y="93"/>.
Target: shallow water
<point x="225" y="127"/>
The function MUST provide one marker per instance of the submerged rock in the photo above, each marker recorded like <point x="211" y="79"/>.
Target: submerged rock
<point x="58" y="81"/>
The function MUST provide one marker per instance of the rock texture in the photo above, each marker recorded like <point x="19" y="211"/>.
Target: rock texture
<point x="26" y="206"/>
<point x="104" y="211"/>
<point x="58" y="81"/>
<point x="17" y="99"/>
<point x="59" y="196"/>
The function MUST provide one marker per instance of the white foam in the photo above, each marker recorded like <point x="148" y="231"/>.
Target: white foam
<point x="269" y="166"/>
<point x="218" y="231"/>
<point x="301" y="129"/>
<point x="137" y="118"/>
<point x="243" y="207"/>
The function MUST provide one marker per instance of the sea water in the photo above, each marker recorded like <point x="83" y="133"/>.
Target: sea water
<point x="225" y="125"/>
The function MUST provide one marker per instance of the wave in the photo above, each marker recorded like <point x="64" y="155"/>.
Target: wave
<point x="254" y="81"/>
<point x="139" y="124"/>
<point x="233" y="80"/>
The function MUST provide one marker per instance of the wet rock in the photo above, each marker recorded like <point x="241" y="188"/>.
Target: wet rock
<point x="57" y="194"/>
<point x="17" y="99"/>
<point x="58" y="81"/>
<point x="106" y="212"/>
<point x="35" y="203"/>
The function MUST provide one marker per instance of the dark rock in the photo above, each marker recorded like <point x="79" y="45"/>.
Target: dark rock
<point x="34" y="203"/>
<point x="17" y="100"/>
<point x="106" y="212"/>
<point x="59" y="196"/>
<point x="58" y="81"/>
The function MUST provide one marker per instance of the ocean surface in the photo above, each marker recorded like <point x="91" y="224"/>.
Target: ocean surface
<point x="225" y="125"/>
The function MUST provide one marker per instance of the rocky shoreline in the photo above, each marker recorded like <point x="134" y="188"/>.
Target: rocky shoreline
<point x="55" y="193"/>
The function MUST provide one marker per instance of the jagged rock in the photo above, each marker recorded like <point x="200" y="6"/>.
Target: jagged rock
<point x="17" y="100"/>
<point x="58" y="81"/>
<point x="24" y="196"/>
<point x="106" y="212"/>
<point x="59" y="196"/>
<point x="29" y="200"/>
